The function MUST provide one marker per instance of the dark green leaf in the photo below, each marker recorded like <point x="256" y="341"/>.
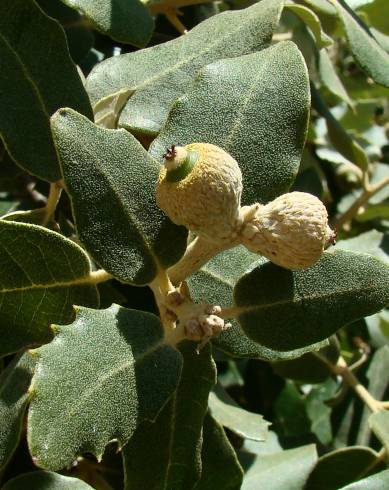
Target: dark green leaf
<point x="227" y="413"/>
<point x="380" y="481"/>
<point x="379" y="424"/>
<point x="126" y="21"/>
<point x="340" y="467"/>
<point x="171" y="446"/>
<point x="14" y="383"/>
<point x="161" y="73"/>
<point x="45" y="480"/>
<point x="33" y="217"/>
<point x="220" y="467"/>
<point x="286" y="470"/>
<point x="98" y="380"/>
<point x="286" y="310"/>
<point x="291" y="412"/>
<point x="111" y="182"/>
<point x="79" y="37"/>
<point x="223" y="109"/>
<point x="40" y="78"/>
<point x="367" y="52"/>
<point x="215" y="283"/>
<point x="43" y="275"/>
<point x="312" y="367"/>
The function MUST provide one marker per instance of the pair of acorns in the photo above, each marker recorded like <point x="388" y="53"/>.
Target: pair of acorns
<point x="200" y="187"/>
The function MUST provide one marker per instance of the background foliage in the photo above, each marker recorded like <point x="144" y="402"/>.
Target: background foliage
<point x="95" y="395"/>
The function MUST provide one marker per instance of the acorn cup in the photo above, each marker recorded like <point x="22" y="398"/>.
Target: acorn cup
<point x="292" y="231"/>
<point x="200" y="187"/>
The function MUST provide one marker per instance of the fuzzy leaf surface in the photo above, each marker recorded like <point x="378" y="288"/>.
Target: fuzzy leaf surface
<point x="45" y="480"/>
<point x="111" y="181"/>
<point x="285" y="470"/>
<point x="160" y="74"/>
<point x="126" y="21"/>
<point x="42" y="275"/>
<point x="14" y="383"/>
<point x="40" y="79"/>
<point x="172" y="444"/>
<point x="256" y="108"/>
<point x="367" y="52"/>
<point x="97" y="381"/>
<point x="220" y="467"/>
<point x="285" y="309"/>
<point x="214" y="283"/>
<point x="379" y="481"/>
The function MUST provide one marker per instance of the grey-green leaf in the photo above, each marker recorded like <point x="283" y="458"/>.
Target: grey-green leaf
<point x="371" y="242"/>
<point x="40" y="78"/>
<point x="126" y="21"/>
<point x="367" y="52"/>
<point x="286" y="310"/>
<point x="330" y="78"/>
<point x="43" y="275"/>
<point x="256" y="108"/>
<point x="339" y="137"/>
<point x="285" y="470"/>
<point x="379" y="481"/>
<point x="220" y="467"/>
<point x="379" y="423"/>
<point x="313" y="22"/>
<point x="108" y="109"/>
<point x="162" y="73"/>
<point x="111" y="182"/>
<point x="97" y="381"/>
<point x="45" y="480"/>
<point x="377" y="381"/>
<point x="227" y="413"/>
<point x="14" y="383"/>
<point x="171" y="446"/>
<point x="214" y="283"/>
<point x="340" y="467"/>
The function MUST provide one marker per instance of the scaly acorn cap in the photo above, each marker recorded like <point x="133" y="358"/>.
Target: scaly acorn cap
<point x="292" y="231"/>
<point x="200" y="187"/>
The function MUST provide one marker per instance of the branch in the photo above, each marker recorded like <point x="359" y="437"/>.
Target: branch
<point x="198" y="253"/>
<point x="368" y="192"/>
<point x="52" y="201"/>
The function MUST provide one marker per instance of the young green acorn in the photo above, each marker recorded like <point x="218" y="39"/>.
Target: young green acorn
<point x="291" y="231"/>
<point x="200" y="187"/>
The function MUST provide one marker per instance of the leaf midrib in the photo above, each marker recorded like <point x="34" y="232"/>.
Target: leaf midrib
<point x="241" y="310"/>
<point x="130" y="215"/>
<point x="69" y="412"/>
<point x="27" y="76"/>
<point x="183" y="62"/>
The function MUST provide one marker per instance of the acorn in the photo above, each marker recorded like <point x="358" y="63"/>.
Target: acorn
<point x="292" y="231"/>
<point x="200" y="187"/>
